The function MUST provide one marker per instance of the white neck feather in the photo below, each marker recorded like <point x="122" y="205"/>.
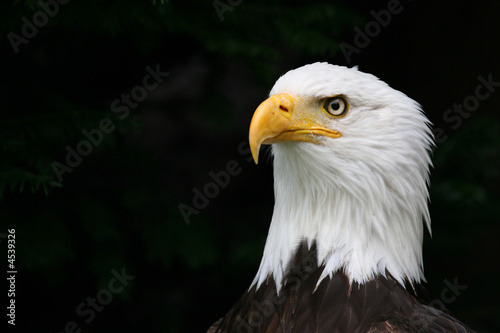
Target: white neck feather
<point x="366" y="219"/>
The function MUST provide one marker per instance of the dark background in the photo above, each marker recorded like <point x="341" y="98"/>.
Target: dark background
<point x="119" y="208"/>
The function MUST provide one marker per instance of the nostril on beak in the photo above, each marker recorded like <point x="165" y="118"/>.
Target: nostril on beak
<point x="284" y="108"/>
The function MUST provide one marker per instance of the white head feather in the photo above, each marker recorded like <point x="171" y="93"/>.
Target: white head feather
<point x="362" y="197"/>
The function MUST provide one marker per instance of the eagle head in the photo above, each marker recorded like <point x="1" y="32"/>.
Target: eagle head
<point x="351" y="171"/>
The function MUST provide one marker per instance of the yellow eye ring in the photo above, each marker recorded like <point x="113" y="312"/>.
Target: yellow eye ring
<point x="336" y="106"/>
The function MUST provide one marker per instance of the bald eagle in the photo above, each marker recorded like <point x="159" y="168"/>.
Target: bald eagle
<point x="344" y="249"/>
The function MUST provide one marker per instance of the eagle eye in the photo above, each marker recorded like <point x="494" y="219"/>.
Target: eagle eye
<point x="336" y="106"/>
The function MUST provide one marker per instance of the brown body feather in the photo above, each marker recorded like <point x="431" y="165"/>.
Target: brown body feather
<point x="380" y="305"/>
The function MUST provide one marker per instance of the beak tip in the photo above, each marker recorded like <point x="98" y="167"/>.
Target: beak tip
<point x="255" y="153"/>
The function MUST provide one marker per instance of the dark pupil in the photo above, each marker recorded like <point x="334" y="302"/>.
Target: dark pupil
<point x="335" y="105"/>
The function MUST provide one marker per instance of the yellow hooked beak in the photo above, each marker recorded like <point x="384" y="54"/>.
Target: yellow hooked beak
<point x="281" y="118"/>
